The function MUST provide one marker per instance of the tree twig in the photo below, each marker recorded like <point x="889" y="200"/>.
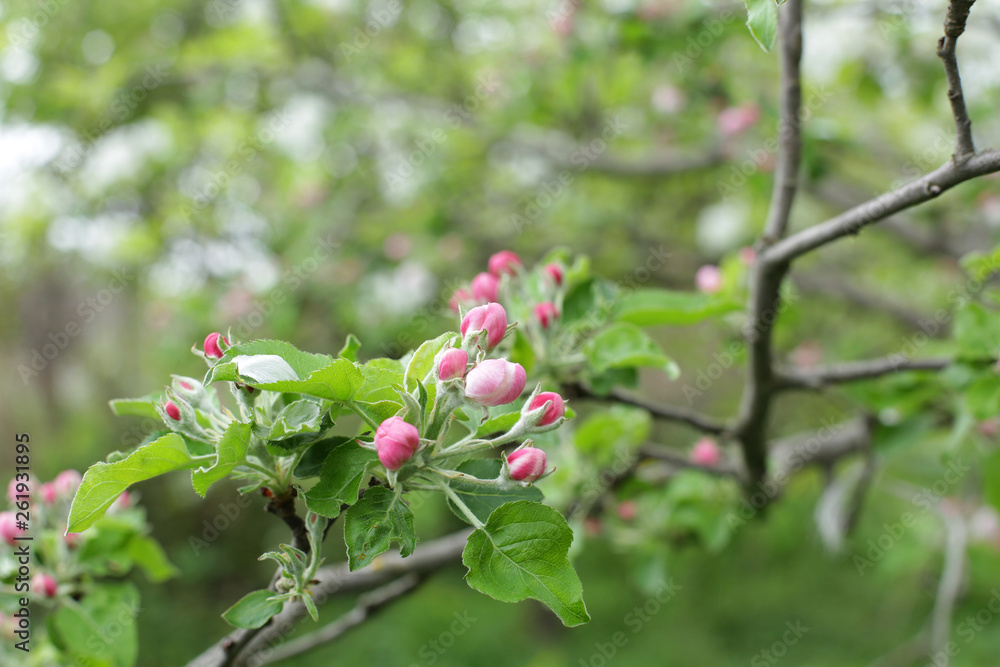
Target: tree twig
<point x="851" y="371"/>
<point x="950" y="585"/>
<point x="954" y="26"/>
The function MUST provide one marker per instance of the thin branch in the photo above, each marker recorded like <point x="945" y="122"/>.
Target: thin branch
<point x="786" y="179"/>
<point x="368" y="604"/>
<point x="954" y="26"/>
<point x="823" y="447"/>
<point x="950" y="586"/>
<point x="851" y="371"/>
<point x="653" y="451"/>
<point x="691" y="418"/>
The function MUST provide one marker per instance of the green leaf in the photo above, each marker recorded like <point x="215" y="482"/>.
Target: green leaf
<point x="302" y="363"/>
<point x="626" y="346"/>
<point x="483" y="499"/>
<point x="338" y="381"/>
<point x="379" y="383"/>
<point x="264" y="369"/>
<point x="253" y="610"/>
<point x="230" y="452"/>
<point x="607" y="432"/>
<point x="140" y="407"/>
<point x="312" y="459"/>
<point x="84" y="630"/>
<point x="103" y="482"/>
<point x="340" y="478"/>
<point x="149" y="555"/>
<point x="977" y="332"/>
<point x="498" y="424"/>
<point x="302" y="416"/>
<point x="648" y="307"/>
<point x="982" y="398"/>
<point x="350" y="349"/>
<point x="422" y="362"/>
<point x="762" y="19"/>
<point x="380" y="411"/>
<point x="991" y="479"/>
<point x="373" y="523"/>
<point x="522" y="553"/>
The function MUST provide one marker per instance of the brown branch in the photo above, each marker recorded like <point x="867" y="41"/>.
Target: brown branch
<point x="786" y="178"/>
<point x="851" y="371"/>
<point x="954" y="26"/>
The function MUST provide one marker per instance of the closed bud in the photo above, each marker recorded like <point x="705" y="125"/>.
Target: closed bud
<point x="459" y="297"/>
<point x="452" y="364"/>
<point x="16" y="488"/>
<point x="526" y="465"/>
<point x="485" y="287"/>
<point x="555" y="272"/>
<point x="495" y="382"/>
<point x="546" y="313"/>
<point x="706" y="453"/>
<point x="491" y="318"/>
<point x="505" y="261"/>
<point x="213" y="345"/>
<point x="8" y="527"/>
<point x="49" y="493"/>
<point x="44" y="584"/>
<point x="553" y="413"/>
<point x="172" y="410"/>
<point x="72" y="540"/>
<point x="708" y="279"/>
<point x="67" y="482"/>
<point x="395" y="442"/>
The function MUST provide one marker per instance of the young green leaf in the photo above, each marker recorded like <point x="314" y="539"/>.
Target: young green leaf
<point x="649" y="307"/>
<point x="253" y="610"/>
<point x="303" y="416"/>
<point x="103" y="482"/>
<point x="340" y="478"/>
<point x="350" y="349"/>
<point x="373" y="523"/>
<point x="624" y="345"/>
<point x="522" y="553"/>
<point x="140" y="407"/>
<point x="230" y="452"/>
<point x="422" y="361"/>
<point x="482" y="499"/>
<point x="315" y="455"/>
<point x="762" y="19"/>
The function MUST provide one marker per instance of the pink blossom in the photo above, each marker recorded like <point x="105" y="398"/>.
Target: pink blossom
<point x="491" y="318"/>
<point x="212" y="347"/>
<point x="452" y="364"/>
<point x="546" y="313"/>
<point x="737" y="120"/>
<point x="505" y="261"/>
<point x="495" y="382"/>
<point x="395" y="442"/>
<point x="526" y="465"/>
<point x="706" y="453"/>
<point x="555" y="411"/>
<point x="708" y="279"/>
<point x="485" y="287"/>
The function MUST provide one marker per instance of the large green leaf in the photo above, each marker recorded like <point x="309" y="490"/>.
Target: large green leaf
<point x="379" y="383"/>
<point x="522" y="553"/>
<point x="253" y="610"/>
<point x="230" y="452"/>
<point x="302" y="363"/>
<point x="140" y="407"/>
<point x="762" y="19"/>
<point x="340" y="478"/>
<point x="373" y="523"/>
<point x="100" y="629"/>
<point x="104" y="482"/>
<point x="315" y="455"/>
<point x="625" y="345"/>
<point x="648" y="307"/>
<point x="482" y="499"/>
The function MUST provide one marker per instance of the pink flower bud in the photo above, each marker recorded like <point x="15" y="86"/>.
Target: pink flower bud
<point x="526" y="465"/>
<point x="485" y="287"/>
<point x="747" y="256"/>
<point x="503" y="262"/>
<point x="395" y="442"/>
<point x="491" y="318"/>
<point x="452" y="364"/>
<point x="212" y="348"/>
<point x="44" y="584"/>
<point x="546" y="313"/>
<point x="13" y="491"/>
<point x="459" y="297"/>
<point x="71" y="539"/>
<point x="49" y="493"/>
<point x="555" y="272"/>
<point x="172" y="410"/>
<point x="708" y="279"/>
<point x="67" y="482"/>
<point x="737" y="120"/>
<point x="706" y="453"/>
<point x="626" y="510"/>
<point x="555" y="411"/>
<point x="8" y="527"/>
<point x="495" y="382"/>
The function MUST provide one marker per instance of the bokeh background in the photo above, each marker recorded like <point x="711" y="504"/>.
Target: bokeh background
<point x="308" y="169"/>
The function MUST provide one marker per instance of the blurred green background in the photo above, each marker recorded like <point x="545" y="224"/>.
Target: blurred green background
<point x="305" y="170"/>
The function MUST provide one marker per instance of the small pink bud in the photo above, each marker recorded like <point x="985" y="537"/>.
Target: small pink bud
<point x="44" y="584"/>
<point x="626" y="510"/>
<point x="8" y="527"/>
<point x="706" y="453"/>
<point x="546" y="313"/>
<point x="459" y="297"/>
<point x="708" y="279"/>
<point x="747" y="256"/>
<point x="172" y="410"/>
<point x="526" y="465"/>
<point x="67" y="482"/>
<point x="990" y="427"/>
<point x="49" y="493"/>
<point x="555" y="272"/>
<point x="452" y="364"/>
<point x="72" y="540"/>
<point x="485" y="287"/>
<point x="505" y="261"/>
<point x="395" y="442"/>
<point x="555" y="411"/>
<point x="16" y="488"/>
<point x="737" y="120"/>
<point x="212" y="348"/>
<point x="491" y="318"/>
<point x="495" y="382"/>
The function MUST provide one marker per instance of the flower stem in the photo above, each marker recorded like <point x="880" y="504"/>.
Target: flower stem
<point x="473" y="519"/>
